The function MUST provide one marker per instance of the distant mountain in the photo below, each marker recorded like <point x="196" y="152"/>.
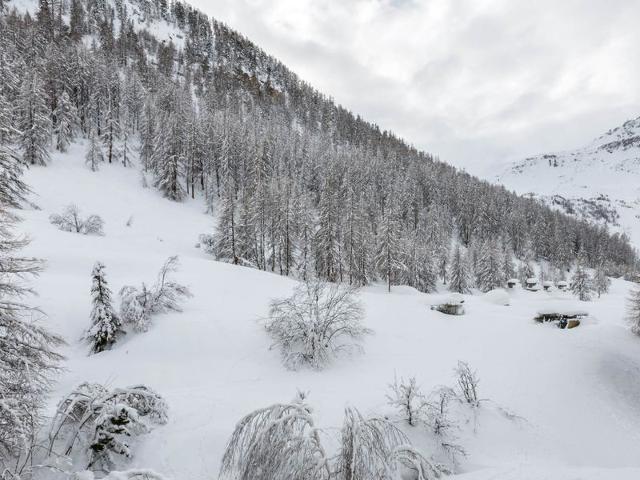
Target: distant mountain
<point x="599" y="182"/>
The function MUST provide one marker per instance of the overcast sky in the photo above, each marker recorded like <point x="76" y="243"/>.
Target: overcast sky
<point x="473" y="81"/>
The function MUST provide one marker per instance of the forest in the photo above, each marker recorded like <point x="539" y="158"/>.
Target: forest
<point x="299" y="185"/>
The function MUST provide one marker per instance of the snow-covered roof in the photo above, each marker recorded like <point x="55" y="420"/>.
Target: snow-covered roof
<point x="562" y="311"/>
<point x="513" y="280"/>
<point x="547" y="283"/>
<point x="562" y="283"/>
<point x="532" y="280"/>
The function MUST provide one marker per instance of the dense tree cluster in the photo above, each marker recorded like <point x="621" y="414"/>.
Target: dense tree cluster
<point x="301" y="186"/>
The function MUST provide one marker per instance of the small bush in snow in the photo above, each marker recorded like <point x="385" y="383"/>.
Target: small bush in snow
<point x="441" y="423"/>
<point x="467" y="384"/>
<point x="281" y="442"/>
<point x="319" y="321"/>
<point x="375" y="448"/>
<point x="98" y="426"/>
<point x="407" y="398"/>
<point x="71" y="221"/>
<point x="138" y="305"/>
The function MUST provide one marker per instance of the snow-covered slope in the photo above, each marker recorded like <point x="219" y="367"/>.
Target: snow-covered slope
<point x="600" y="182"/>
<point x="576" y="390"/>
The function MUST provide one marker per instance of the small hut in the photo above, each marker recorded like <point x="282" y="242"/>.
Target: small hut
<point x="532" y="284"/>
<point x="562" y="285"/>
<point x="563" y="318"/>
<point x="452" y="305"/>
<point x="547" y="285"/>
<point x="512" y="283"/>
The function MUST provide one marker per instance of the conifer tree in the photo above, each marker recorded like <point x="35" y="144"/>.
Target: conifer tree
<point x="490" y="272"/>
<point x="633" y="306"/>
<point x="387" y="259"/>
<point x="27" y="351"/>
<point x="105" y="323"/>
<point x="94" y="155"/>
<point x="601" y="282"/>
<point x="459" y="276"/>
<point x="35" y="123"/>
<point x="66" y="121"/>
<point x="581" y="283"/>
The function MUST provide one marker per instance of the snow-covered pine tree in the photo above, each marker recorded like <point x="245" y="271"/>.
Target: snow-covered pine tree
<point x="581" y="283"/>
<point x="66" y="122"/>
<point x="633" y="307"/>
<point x="106" y="326"/>
<point x="508" y="268"/>
<point x="125" y="149"/>
<point x="459" y="275"/>
<point x="387" y="259"/>
<point x="225" y="247"/>
<point x="27" y="351"/>
<point x="601" y="282"/>
<point x="94" y="155"/>
<point x="490" y="272"/>
<point x="35" y="123"/>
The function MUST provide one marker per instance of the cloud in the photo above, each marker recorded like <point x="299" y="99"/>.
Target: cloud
<point x="474" y="81"/>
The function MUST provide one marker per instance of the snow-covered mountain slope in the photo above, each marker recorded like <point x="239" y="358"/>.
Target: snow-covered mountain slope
<point x="600" y="182"/>
<point x="576" y="390"/>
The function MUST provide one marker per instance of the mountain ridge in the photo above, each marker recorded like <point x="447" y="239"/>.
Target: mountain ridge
<point x="599" y="182"/>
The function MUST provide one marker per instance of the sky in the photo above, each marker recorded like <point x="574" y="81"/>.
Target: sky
<point x="476" y="82"/>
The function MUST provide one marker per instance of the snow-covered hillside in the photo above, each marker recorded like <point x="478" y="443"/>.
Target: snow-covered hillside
<point x="600" y="182"/>
<point x="576" y="390"/>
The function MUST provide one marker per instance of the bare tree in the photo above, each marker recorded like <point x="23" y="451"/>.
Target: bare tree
<point x="138" y="305"/>
<point x="467" y="384"/>
<point x="408" y="399"/>
<point x="319" y="321"/>
<point x="71" y="221"/>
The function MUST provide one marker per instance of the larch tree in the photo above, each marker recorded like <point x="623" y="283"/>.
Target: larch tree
<point x="66" y="122"/>
<point x="601" y="282"/>
<point x="581" y="283"/>
<point x="28" y="357"/>
<point x="35" y="124"/>
<point x="459" y="275"/>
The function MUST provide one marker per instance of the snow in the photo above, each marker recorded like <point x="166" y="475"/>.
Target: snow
<point x="605" y="173"/>
<point x="577" y="391"/>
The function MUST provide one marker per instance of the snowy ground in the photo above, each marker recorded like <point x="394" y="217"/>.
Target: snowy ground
<point x="578" y="390"/>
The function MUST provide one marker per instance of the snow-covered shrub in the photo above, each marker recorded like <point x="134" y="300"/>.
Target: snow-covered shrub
<point x="319" y="321"/>
<point x="105" y="323"/>
<point x="71" y="221"/>
<point x="138" y="305"/>
<point x="408" y="399"/>
<point x="467" y="381"/>
<point x="442" y="424"/>
<point x="98" y="427"/>
<point x="279" y="442"/>
<point x="374" y="448"/>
